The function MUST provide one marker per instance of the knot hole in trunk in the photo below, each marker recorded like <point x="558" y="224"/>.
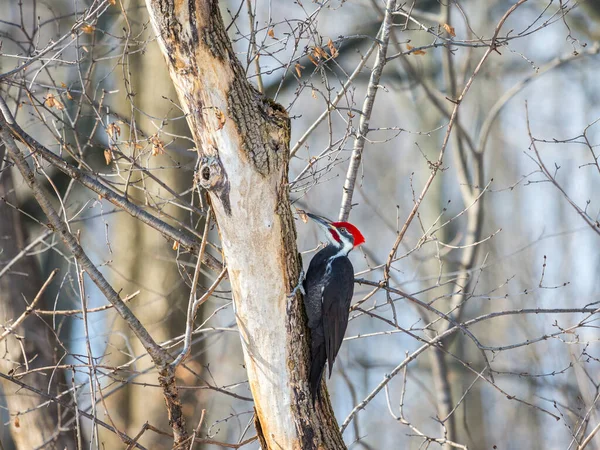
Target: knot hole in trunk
<point x="211" y="175"/>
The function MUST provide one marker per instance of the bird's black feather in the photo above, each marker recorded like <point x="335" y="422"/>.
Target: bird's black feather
<point x="329" y="286"/>
<point x="318" y="357"/>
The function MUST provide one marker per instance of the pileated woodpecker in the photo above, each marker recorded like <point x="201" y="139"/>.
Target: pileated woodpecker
<point x="328" y="287"/>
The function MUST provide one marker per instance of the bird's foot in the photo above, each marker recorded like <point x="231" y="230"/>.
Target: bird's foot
<point x="299" y="286"/>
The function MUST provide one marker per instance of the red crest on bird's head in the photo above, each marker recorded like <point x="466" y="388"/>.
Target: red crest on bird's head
<point x="356" y="234"/>
<point x="339" y="230"/>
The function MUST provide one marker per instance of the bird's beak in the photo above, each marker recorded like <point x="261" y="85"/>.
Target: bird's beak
<point x="322" y="221"/>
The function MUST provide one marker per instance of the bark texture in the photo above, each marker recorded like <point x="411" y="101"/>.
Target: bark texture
<point x="243" y="144"/>
<point x="31" y="426"/>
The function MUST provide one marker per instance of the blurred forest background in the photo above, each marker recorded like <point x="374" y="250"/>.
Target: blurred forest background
<point x="506" y="240"/>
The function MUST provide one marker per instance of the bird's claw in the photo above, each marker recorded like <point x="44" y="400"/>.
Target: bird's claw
<point x="299" y="286"/>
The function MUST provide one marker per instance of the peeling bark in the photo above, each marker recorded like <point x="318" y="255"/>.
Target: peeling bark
<point x="244" y="167"/>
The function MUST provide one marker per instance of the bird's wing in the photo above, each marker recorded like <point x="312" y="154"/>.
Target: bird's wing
<point x="337" y="296"/>
<point x="316" y="277"/>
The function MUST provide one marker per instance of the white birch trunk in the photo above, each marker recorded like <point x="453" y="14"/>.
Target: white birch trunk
<point x="244" y="167"/>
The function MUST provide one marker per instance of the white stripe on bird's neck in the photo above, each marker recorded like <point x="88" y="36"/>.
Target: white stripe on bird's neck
<point x="345" y="248"/>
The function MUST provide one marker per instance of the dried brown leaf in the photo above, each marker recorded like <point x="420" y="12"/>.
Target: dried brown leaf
<point x="158" y="147"/>
<point x="135" y="145"/>
<point x="416" y="52"/>
<point x="334" y="51"/>
<point x="87" y="28"/>
<point x="113" y="130"/>
<point x="449" y="30"/>
<point x="298" y="68"/>
<point x="320" y="53"/>
<point x="271" y="33"/>
<point x="52" y="102"/>
<point x="108" y="156"/>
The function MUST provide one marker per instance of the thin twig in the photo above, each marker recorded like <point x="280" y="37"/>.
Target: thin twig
<point x="589" y="437"/>
<point x="67" y="405"/>
<point x="39" y="192"/>
<point x="11" y="328"/>
<point x="341" y="93"/>
<point x="594" y="225"/>
<point x="255" y="54"/>
<point x="194" y="303"/>
<point x="73" y="312"/>
<point x="435" y="167"/>
<point x="106" y="193"/>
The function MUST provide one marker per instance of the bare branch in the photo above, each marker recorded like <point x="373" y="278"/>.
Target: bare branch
<point x="367" y="109"/>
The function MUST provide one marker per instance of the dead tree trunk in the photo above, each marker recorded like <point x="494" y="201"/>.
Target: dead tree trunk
<point x="243" y="145"/>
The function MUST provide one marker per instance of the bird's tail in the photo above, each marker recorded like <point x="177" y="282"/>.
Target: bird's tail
<point x="317" y="366"/>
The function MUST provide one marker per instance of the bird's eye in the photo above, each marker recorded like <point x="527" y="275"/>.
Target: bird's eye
<point x="343" y="230"/>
